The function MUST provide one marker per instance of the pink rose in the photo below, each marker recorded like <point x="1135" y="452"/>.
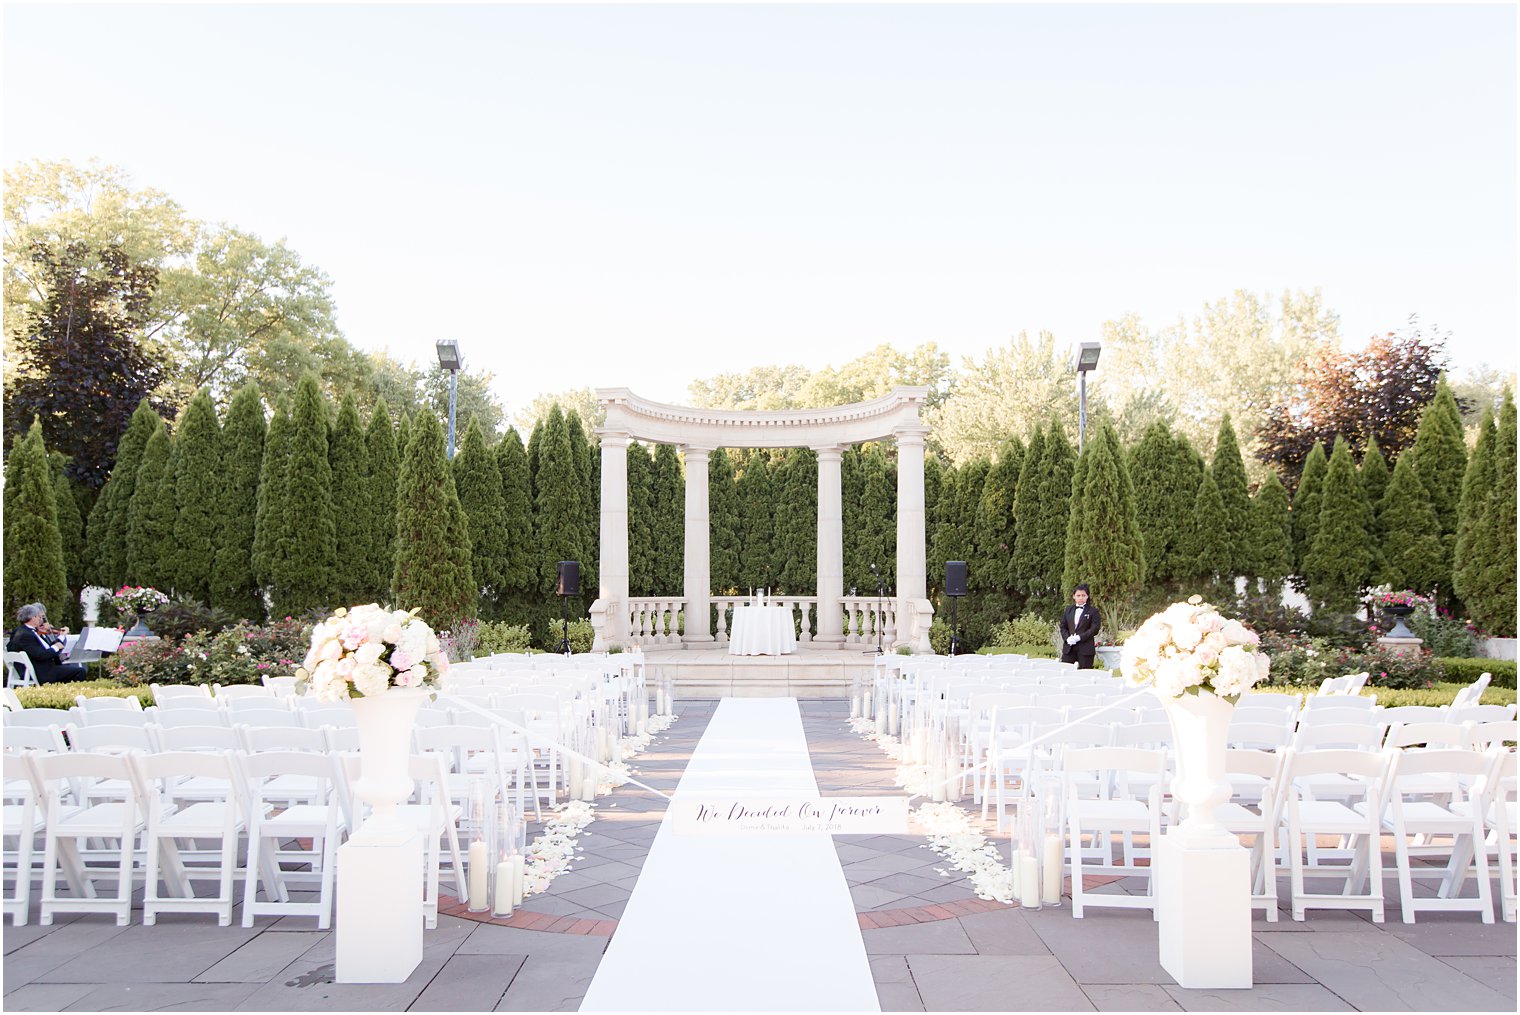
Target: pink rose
<point x="402" y="660"/>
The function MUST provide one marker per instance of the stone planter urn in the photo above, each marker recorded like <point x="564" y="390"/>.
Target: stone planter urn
<point x="1398" y="613"/>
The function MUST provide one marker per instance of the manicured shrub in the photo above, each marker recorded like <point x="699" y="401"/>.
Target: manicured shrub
<point x="432" y="541"/>
<point x="62" y="695"/>
<point x="1029" y="629"/>
<point x="145" y="538"/>
<point x="353" y="508"/>
<point x="1410" y="535"/>
<point x="384" y="470"/>
<point x="496" y="636"/>
<point x="198" y="486"/>
<point x="1341" y="559"/>
<point x="233" y="585"/>
<point x="723" y="523"/>
<point x="1103" y="547"/>
<point x="109" y="519"/>
<point x="992" y="563"/>
<point x="1466" y="670"/>
<point x="1271" y="533"/>
<point x="478" y="481"/>
<point x="305" y="575"/>
<point x="34" y="563"/>
<point x="1229" y="474"/>
<point x="757" y="521"/>
<point x="1306" y="504"/>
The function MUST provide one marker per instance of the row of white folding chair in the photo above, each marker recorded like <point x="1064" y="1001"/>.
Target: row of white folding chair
<point x="1459" y="794"/>
<point x="1351" y="684"/>
<point x="171" y="797"/>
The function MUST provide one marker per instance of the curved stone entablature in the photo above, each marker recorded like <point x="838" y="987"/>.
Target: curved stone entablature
<point x="837" y="426"/>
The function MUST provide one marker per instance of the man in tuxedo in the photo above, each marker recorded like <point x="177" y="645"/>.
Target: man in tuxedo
<point x="1079" y="626"/>
<point x="47" y="658"/>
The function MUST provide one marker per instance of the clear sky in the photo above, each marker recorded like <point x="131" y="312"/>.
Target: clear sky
<point x="639" y="196"/>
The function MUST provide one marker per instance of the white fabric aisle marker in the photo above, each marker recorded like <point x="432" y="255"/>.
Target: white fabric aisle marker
<point x="739" y="923"/>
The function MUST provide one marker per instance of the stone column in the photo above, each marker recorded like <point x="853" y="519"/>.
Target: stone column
<point x="912" y="570"/>
<point x="830" y="548"/>
<point x="698" y="561"/>
<point x="612" y="569"/>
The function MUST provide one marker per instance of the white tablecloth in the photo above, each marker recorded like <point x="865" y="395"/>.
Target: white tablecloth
<point x="762" y="631"/>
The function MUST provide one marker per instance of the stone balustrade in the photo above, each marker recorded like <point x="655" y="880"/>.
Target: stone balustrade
<point x="865" y="616"/>
<point x="803" y="610"/>
<point x="656" y="620"/>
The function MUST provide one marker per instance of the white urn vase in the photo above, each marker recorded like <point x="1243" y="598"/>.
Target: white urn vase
<point x="385" y="750"/>
<point x="1200" y="731"/>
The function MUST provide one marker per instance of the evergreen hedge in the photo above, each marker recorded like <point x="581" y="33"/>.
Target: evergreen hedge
<point x="233" y="585"/>
<point x="198" y="483"/>
<point x="34" y="563"/>
<point x="432" y="573"/>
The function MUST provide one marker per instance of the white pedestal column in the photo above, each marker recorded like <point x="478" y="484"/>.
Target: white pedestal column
<point x="379" y="922"/>
<point x="830" y="548"/>
<point x="912" y="570"/>
<point x="698" y="560"/>
<point x="612" y="569"/>
<point x="1203" y="901"/>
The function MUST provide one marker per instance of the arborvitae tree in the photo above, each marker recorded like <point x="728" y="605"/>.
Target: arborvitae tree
<point x="1410" y="534"/>
<point x="797" y="524"/>
<point x="1104" y="539"/>
<point x="535" y="443"/>
<point x="1374" y="472"/>
<point x="268" y="556"/>
<point x="71" y="538"/>
<point x="1070" y="557"/>
<point x="1026" y="510"/>
<point x="1306" y="504"/>
<point x="996" y="534"/>
<point x="1211" y="543"/>
<point x="520" y="577"/>
<point x="432" y="538"/>
<point x="143" y="541"/>
<point x="478" y="482"/>
<point x="1472" y="510"/>
<point x="584" y="456"/>
<point x="757" y="523"/>
<point x="1439" y="457"/>
<point x="944" y="543"/>
<point x="110" y="517"/>
<point x="1040" y="545"/>
<point x="1158" y="470"/>
<point x="934" y="481"/>
<point x="384" y="473"/>
<point x="723" y="529"/>
<point x="557" y="515"/>
<point x="1271" y="533"/>
<point x="160" y="566"/>
<point x="1485" y="577"/>
<point x="199" y="479"/>
<point x="668" y="490"/>
<point x="34" y="566"/>
<point x="308" y="532"/>
<point x="403" y="439"/>
<point x="1229" y="473"/>
<point x="353" y="510"/>
<point x="1341" y="558"/>
<point x="878" y="520"/>
<point x="233" y="586"/>
<point x="641" y="548"/>
<point x="852" y="487"/>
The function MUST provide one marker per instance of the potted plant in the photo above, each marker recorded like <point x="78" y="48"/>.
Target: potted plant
<point x="139" y="600"/>
<point x="1399" y="605"/>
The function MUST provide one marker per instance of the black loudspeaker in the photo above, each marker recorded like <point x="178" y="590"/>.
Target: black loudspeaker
<point x="955" y="577"/>
<point x="569" y="578"/>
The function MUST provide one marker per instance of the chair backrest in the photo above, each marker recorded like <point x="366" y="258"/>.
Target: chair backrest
<point x="106" y="703"/>
<point x="202" y="704"/>
<point x="988" y="700"/>
<point x="257" y="714"/>
<point x="1340" y="702"/>
<point x="1311" y="718"/>
<point x="34" y="738"/>
<point x="169" y="717"/>
<point x="258" y="739"/>
<point x="1264" y="764"/>
<point x="239" y="692"/>
<point x="1343" y="736"/>
<point x="181" y="692"/>
<point x="1481" y="713"/>
<point x="1482" y="735"/>
<point x="1025" y="716"/>
<point x="1371" y="765"/>
<point x="1114" y="759"/>
<point x="59" y="771"/>
<point x="1143" y="734"/>
<point x="39" y="717"/>
<point x="1271" y="699"/>
<point x="197" y="738"/>
<point x="1472" y="694"/>
<point x="9" y="701"/>
<point x="315" y="716"/>
<point x="258" y="769"/>
<point x="341" y="738"/>
<point x="19" y="671"/>
<point x="281" y="686"/>
<point x="1430" y="734"/>
<point x="1261" y="736"/>
<point x="109" y="738"/>
<point x="21" y="780"/>
<point x="165" y="768"/>
<point x="1412" y="713"/>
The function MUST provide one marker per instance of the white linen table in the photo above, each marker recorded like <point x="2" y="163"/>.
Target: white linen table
<point x="762" y="631"/>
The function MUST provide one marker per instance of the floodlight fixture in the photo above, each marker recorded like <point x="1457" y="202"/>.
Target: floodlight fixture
<point x="448" y="354"/>
<point x="1087" y="356"/>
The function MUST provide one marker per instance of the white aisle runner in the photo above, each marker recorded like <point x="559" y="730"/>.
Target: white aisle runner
<point x="739" y="923"/>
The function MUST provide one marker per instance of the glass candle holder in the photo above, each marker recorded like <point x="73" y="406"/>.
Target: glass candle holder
<point x="1052" y="848"/>
<point x="478" y="859"/>
<point x="1027" y="823"/>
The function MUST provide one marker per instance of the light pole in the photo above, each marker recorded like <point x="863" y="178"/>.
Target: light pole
<point x="1087" y="359"/>
<point x="449" y="359"/>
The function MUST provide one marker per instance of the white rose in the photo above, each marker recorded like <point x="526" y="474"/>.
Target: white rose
<point x="1263" y="665"/>
<point x="1186" y="635"/>
<point x="369" y="653"/>
<point x="1237" y="633"/>
<point x="1237" y="671"/>
<point x="372" y="680"/>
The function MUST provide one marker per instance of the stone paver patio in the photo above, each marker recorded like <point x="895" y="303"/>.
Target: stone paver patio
<point x="933" y="945"/>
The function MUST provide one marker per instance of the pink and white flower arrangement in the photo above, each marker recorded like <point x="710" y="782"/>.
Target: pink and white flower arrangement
<point x="1189" y="647"/>
<point x="138" y="599"/>
<point x="364" y="651"/>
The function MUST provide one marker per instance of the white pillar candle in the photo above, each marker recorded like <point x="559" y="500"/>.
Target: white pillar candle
<point x="479" y="872"/>
<point x="575" y="776"/>
<point x="519" y="865"/>
<point x="1054" y="866"/>
<point x="504" y="899"/>
<point x="854" y="703"/>
<point x="1013" y="873"/>
<point x="1029" y="879"/>
<point x="589" y="779"/>
<point x="937" y="776"/>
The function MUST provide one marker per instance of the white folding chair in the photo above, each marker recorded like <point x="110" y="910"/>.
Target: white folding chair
<point x="34" y="738"/>
<point x="9" y="700"/>
<point x="276" y="837"/>
<point x="256" y="712"/>
<point x="1426" y="798"/>
<point x="1307" y="816"/>
<point x="244" y="692"/>
<point x="24" y="819"/>
<point x="1412" y="714"/>
<point x="68" y="824"/>
<point x="1482" y="713"/>
<point x="1112" y="810"/>
<point x="19" y="671"/>
<point x="1472" y="694"/>
<point x="283" y="687"/>
<point x="38" y="718"/>
<point x="194" y="693"/>
<point x="1482" y="735"/>
<point x="214" y="810"/>
<point x="196" y="738"/>
<point x="1257" y="736"/>
<point x="1253" y="777"/>
<point x="1500" y="820"/>
<point x="106" y="709"/>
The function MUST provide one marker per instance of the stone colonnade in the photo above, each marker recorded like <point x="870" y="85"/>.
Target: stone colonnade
<point x="698" y="432"/>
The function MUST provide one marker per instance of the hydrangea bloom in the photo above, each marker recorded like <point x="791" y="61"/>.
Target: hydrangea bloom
<point x="365" y="650"/>
<point x="1190" y="647"/>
